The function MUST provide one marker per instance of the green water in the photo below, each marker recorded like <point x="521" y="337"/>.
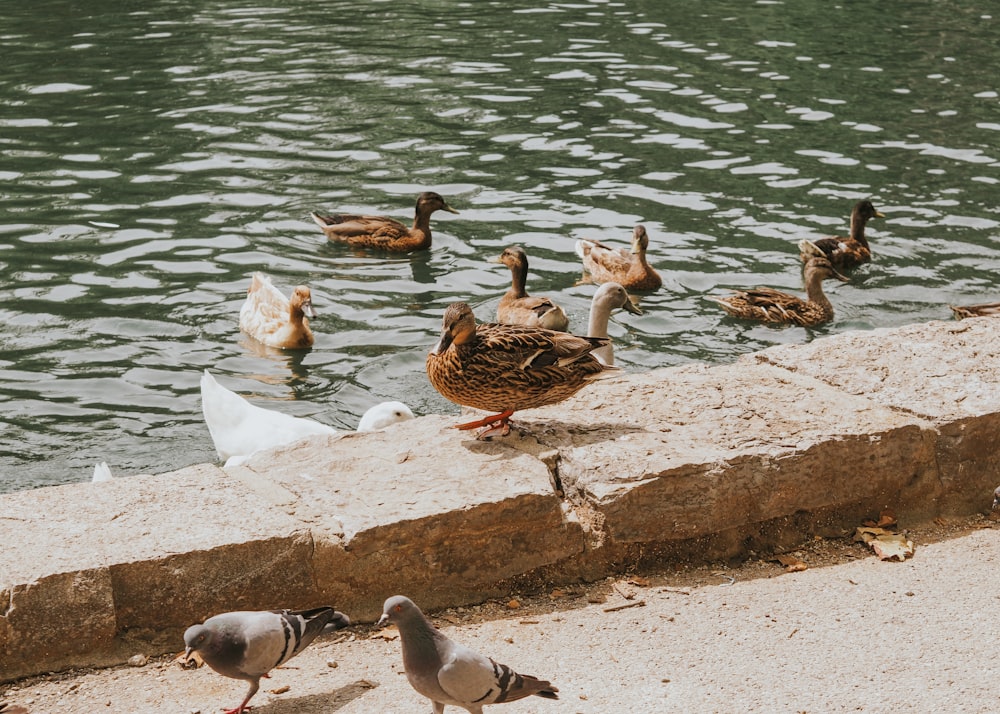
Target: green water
<point x="153" y="155"/>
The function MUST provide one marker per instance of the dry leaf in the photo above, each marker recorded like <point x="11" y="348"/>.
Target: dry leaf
<point x="892" y="547"/>
<point x="557" y="593"/>
<point x="187" y="662"/>
<point x="388" y="634"/>
<point x="279" y="690"/>
<point x="513" y="604"/>
<point x="638" y="581"/>
<point x="792" y="564"/>
<point x="886" y="518"/>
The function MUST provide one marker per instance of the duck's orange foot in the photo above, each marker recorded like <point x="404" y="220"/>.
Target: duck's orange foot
<point x="496" y="425"/>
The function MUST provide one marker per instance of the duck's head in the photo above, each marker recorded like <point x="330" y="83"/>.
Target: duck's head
<point x="429" y="201"/>
<point x="301" y="299"/>
<point x="514" y="258"/>
<point x="458" y="327"/>
<point x="865" y="211"/>
<point x="614" y="296"/>
<point x="640" y="241"/>
<point x="824" y="268"/>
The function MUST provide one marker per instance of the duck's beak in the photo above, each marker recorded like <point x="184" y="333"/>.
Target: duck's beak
<point x="879" y="214"/>
<point x="632" y="307"/>
<point x="841" y="278"/>
<point x="443" y="344"/>
<point x="448" y="208"/>
<point x="307" y="309"/>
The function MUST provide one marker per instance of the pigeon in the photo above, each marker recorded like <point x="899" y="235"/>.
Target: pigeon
<point x="247" y="645"/>
<point x="447" y="672"/>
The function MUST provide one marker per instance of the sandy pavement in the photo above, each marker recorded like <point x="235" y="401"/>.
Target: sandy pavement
<point x="854" y="635"/>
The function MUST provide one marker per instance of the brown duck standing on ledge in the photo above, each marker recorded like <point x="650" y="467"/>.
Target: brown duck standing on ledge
<point x="504" y="368"/>
<point x="382" y="232"/>
<point x="628" y="268"/>
<point x="986" y="309"/>
<point x="853" y="250"/>
<point x="517" y="307"/>
<point x="770" y="305"/>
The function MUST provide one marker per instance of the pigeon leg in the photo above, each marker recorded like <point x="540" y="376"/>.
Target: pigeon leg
<point x="491" y="425"/>
<point x="254" y="686"/>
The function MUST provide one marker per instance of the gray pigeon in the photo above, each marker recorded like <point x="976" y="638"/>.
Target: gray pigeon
<point x="449" y="673"/>
<point x="248" y="645"/>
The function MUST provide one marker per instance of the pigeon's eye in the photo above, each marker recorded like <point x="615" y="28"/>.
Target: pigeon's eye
<point x="399" y="608"/>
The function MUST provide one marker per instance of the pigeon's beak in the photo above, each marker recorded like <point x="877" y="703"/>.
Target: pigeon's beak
<point x="383" y="621"/>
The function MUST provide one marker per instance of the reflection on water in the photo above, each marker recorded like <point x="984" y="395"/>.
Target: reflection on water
<point x="155" y="156"/>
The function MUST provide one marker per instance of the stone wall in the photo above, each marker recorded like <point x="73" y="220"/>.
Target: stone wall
<point x="780" y="445"/>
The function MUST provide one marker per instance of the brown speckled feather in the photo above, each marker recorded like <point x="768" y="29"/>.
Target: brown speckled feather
<point x="770" y="305"/>
<point x="628" y="268"/>
<point x="853" y="250"/>
<point x="499" y="367"/>
<point x="385" y="233"/>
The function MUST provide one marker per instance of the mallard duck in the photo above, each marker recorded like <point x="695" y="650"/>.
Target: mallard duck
<point x="504" y="368"/>
<point x="770" y="305"/>
<point x="517" y="307"/>
<point x="240" y="429"/>
<point x="385" y="233"/>
<point x="986" y="309"/>
<point x="608" y="298"/>
<point x="277" y="321"/>
<point x="853" y="250"/>
<point x="628" y="268"/>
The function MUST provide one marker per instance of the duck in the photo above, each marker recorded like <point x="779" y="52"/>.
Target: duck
<point x="608" y="298"/>
<point x="382" y="232"/>
<point x="986" y="309"/>
<point x="851" y="251"/>
<point x="506" y="368"/>
<point x="770" y="305"/>
<point x="274" y="320"/>
<point x="384" y="414"/>
<point x="240" y="429"/>
<point x="628" y="268"/>
<point x="517" y="307"/>
<point x="102" y="472"/>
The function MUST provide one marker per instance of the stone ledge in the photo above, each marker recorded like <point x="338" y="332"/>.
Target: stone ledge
<point x="782" y="443"/>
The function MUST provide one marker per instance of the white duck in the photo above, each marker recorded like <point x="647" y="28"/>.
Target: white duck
<point x="609" y="297"/>
<point x="102" y="472"/>
<point x="277" y="321"/>
<point x="239" y="429"/>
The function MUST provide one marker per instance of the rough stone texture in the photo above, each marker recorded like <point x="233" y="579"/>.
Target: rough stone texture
<point x="141" y="558"/>
<point x="421" y="508"/>
<point x="783" y="443"/>
<point x="946" y="372"/>
<point x="684" y="452"/>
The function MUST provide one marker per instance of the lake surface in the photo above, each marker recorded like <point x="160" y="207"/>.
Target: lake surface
<point x="154" y="155"/>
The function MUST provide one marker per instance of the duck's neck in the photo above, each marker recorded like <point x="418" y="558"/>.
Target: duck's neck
<point x="814" y="291"/>
<point x="598" y="327"/>
<point x="518" y="278"/>
<point x="422" y="220"/>
<point x="858" y="228"/>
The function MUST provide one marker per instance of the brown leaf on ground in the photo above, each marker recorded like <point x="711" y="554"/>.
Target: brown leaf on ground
<point x="280" y="690"/>
<point x="892" y="547"/>
<point x="792" y="563"/>
<point x="192" y="662"/>
<point x="638" y="581"/>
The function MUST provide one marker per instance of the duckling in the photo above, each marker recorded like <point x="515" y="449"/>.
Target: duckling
<point x="517" y="307"/>
<point x="851" y="251"/>
<point x="277" y="321"/>
<point x="986" y="309"/>
<point x="770" y="305"/>
<point x="609" y="297"/>
<point x="628" y="268"/>
<point x="504" y="368"/>
<point x="384" y="233"/>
